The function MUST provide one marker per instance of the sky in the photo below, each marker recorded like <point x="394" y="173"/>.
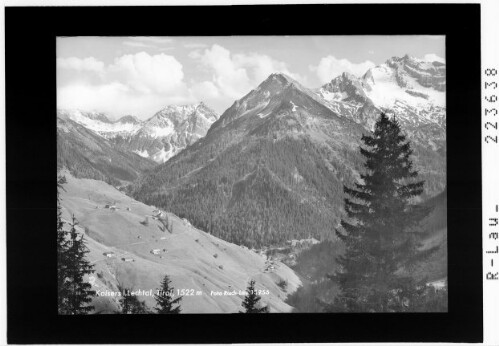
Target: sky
<point x="140" y="75"/>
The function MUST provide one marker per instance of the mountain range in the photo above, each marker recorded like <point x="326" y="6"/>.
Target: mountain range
<point x="158" y="138"/>
<point x="273" y="165"/>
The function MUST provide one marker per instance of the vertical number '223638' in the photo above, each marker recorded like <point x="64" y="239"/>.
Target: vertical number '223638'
<point x="489" y="125"/>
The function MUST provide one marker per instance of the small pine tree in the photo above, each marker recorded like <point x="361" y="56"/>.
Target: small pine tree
<point x="379" y="236"/>
<point x="130" y="304"/>
<point x="79" y="292"/>
<point x="251" y="301"/>
<point x="164" y="299"/>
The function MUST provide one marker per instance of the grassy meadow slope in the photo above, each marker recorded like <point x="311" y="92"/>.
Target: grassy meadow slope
<point x="192" y="258"/>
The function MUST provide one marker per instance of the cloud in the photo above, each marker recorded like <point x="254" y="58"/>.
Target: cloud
<point x="149" y="42"/>
<point x="81" y="95"/>
<point x="330" y="67"/>
<point x="146" y="73"/>
<point x="231" y="79"/>
<point x="195" y="45"/>
<point x="433" y="57"/>
<point x="166" y="49"/>
<point x="138" y="82"/>
<point x="138" y="44"/>
<point x="141" y="83"/>
<point x="113" y="98"/>
<point x="195" y="54"/>
<point x="234" y="75"/>
<point x="261" y="66"/>
<point x="89" y="64"/>
<point x="152" y="39"/>
<point x="204" y="91"/>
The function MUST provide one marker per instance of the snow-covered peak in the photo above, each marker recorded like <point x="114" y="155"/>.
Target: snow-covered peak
<point x="83" y="116"/>
<point x="345" y="87"/>
<point x="159" y="138"/>
<point x="408" y="80"/>
<point x="100" y="124"/>
<point x="177" y="114"/>
<point x="172" y="129"/>
<point x="412" y="88"/>
<point x="430" y="74"/>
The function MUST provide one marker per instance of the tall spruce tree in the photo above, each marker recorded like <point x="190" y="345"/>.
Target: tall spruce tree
<point x="79" y="292"/>
<point x="380" y="236"/>
<point x="164" y="299"/>
<point x="62" y="248"/>
<point x="251" y="301"/>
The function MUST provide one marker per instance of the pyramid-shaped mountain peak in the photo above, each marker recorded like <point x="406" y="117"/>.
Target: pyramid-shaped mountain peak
<point x="278" y="79"/>
<point x="282" y="76"/>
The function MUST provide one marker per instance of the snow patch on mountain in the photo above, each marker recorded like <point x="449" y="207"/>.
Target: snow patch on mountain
<point x="142" y="153"/>
<point x="164" y="155"/>
<point x="157" y="131"/>
<point x="101" y="125"/>
<point x="386" y="92"/>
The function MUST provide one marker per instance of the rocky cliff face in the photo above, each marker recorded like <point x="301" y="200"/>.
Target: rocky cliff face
<point x="427" y="74"/>
<point x="169" y="131"/>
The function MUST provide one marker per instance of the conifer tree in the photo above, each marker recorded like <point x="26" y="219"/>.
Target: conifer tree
<point x="379" y="234"/>
<point x="62" y="247"/>
<point x="164" y="299"/>
<point x="130" y="304"/>
<point x="79" y="292"/>
<point x="251" y="301"/>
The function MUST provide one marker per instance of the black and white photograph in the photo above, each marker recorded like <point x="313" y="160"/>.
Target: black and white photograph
<point x="251" y="174"/>
<point x="255" y="173"/>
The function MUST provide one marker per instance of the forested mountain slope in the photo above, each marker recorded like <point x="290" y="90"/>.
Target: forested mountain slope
<point x="270" y="169"/>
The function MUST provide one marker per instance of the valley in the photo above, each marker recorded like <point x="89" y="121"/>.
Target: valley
<point x="195" y="261"/>
<point x="255" y="193"/>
